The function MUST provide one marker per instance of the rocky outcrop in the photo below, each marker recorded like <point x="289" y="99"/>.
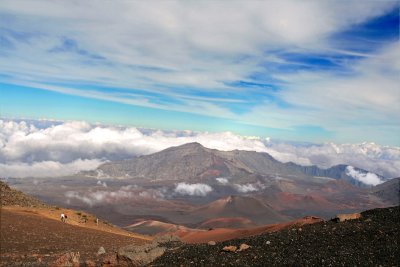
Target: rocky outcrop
<point x="135" y="255"/>
<point x="70" y="259"/>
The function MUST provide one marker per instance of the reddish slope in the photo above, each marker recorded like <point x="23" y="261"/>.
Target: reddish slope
<point x="27" y="236"/>
<point x="152" y="227"/>
<point x="222" y="234"/>
<point x="227" y="222"/>
<point x="240" y="206"/>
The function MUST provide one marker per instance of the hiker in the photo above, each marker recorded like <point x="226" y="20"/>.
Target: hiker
<point x="97" y="221"/>
<point x="62" y="217"/>
<point x="65" y="218"/>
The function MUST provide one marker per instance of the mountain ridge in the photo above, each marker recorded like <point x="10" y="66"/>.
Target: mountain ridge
<point x="192" y="161"/>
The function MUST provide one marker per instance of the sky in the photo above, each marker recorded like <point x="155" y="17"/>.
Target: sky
<point x="305" y="71"/>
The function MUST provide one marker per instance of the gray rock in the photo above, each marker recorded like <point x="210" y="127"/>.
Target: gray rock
<point x="166" y="239"/>
<point x="212" y="243"/>
<point x="101" y="251"/>
<point x="145" y="254"/>
<point x="141" y="255"/>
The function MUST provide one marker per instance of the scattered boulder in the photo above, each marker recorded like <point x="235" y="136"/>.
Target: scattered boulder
<point x="70" y="259"/>
<point x="268" y="242"/>
<point x="101" y="251"/>
<point x="142" y="255"/>
<point x="230" y="248"/>
<point x="168" y="238"/>
<point x="243" y="246"/>
<point x="212" y="243"/>
<point x="345" y="217"/>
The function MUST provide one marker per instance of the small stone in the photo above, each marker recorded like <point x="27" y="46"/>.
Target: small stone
<point x="268" y="242"/>
<point x="300" y="229"/>
<point x="243" y="247"/>
<point x="230" y="248"/>
<point x="101" y="251"/>
<point x="212" y="243"/>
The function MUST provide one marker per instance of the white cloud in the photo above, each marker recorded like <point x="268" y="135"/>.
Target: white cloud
<point x="366" y="178"/>
<point x="59" y="149"/>
<point x="103" y="184"/>
<point x="222" y="180"/>
<point x="125" y="193"/>
<point x="245" y="188"/>
<point x="193" y="189"/>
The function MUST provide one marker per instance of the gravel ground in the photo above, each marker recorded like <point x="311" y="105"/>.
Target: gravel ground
<point x="372" y="240"/>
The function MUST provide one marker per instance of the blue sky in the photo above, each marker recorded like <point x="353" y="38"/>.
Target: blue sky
<point x="315" y="71"/>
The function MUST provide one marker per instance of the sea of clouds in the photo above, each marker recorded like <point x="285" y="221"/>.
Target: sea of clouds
<point x="51" y="149"/>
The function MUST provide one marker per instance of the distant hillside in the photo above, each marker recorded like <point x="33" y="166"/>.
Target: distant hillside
<point x="240" y="206"/>
<point x="12" y="197"/>
<point x="192" y="161"/>
<point x="152" y="227"/>
<point x="227" y="222"/>
<point x="388" y="191"/>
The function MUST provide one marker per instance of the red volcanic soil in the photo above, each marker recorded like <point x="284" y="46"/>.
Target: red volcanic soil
<point x="230" y="222"/>
<point x="29" y="235"/>
<point x="240" y="206"/>
<point x="152" y="227"/>
<point x="308" y="202"/>
<point x="222" y="234"/>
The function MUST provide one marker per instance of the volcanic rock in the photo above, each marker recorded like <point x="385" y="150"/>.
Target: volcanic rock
<point x="229" y="248"/>
<point x="243" y="247"/>
<point x="70" y="259"/>
<point x="101" y="251"/>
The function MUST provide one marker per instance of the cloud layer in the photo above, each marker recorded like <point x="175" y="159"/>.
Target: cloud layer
<point x="35" y="148"/>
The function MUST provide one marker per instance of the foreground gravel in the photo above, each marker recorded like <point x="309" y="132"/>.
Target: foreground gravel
<point x="372" y="240"/>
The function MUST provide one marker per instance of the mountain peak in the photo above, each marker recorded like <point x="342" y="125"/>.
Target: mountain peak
<point x="192" y="144"/>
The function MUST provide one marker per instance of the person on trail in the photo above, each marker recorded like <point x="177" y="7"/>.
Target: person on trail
<point x="97" y="221"/>
<point x="62" y="217"/>
<point x="65" y="218"/>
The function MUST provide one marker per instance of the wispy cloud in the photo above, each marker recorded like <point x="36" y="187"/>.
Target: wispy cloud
<point x="245" y="188"/>
<point x="270" y="64"/>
